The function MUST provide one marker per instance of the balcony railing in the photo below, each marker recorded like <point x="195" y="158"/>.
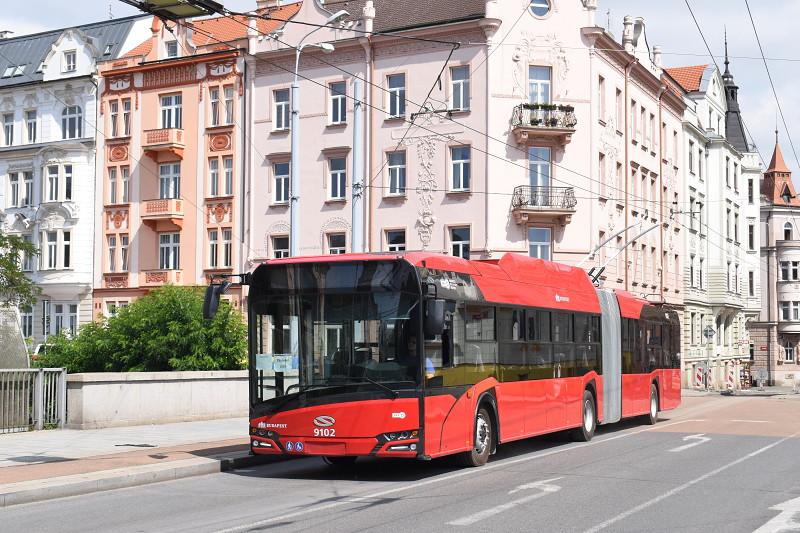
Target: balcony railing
<point x="169" y="210"/>
<point x="151" y="278"/>
<point x="534" y="202"/>
<point x="543" y="123"/>
<point x="163" y="140"/>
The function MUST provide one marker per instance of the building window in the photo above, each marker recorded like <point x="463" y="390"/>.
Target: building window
<point x="787" y="231"/>
<point x="619" y="109"/>
<point x="459" y="242"/>
<point x="539" y="171"/>
<point x="26" y="321"/>
<point x="71" y="122"/>
<point x="227" y="248"/>
<point x="396" y="240"/>
<point x="227" y="166"/>
<point x="30" y="125"/>
<point x="751" y="236"/>
<point x="338" y="94"/>
<point x="281" y="99"/>
<point x="213" y="176"/>
<point x="172" y="49"/>
<point x="728" y="172"/>
<point x="785" y="270"/>
<point x="788" y="352"/>
<point x="280" y="247"/>
<point x="338" y="177"/>
<point x="736" y="176"/>
<point x="213" y="248"/>
<point x="228" y="90"/>
<point x="750" y="191"/>
<point x="785" y="308"/>
<point x="113" y="117"/>
<point x="169" y="180"/>
<point x="126" y="117"/>
<point x="736" y="228"/>
<point x="540" y="8"/>
<point x="69" y="64"/>
<point x="337" y="243"/>
<point x="539" y="243"/>
<point x="601" y="98"/>
<point x="691" y="157"/>
<point x="13" y="183"/>
<point x="126" y="179"/>
<point x="751" y="284"/>
<point x="281" y="171"/>
<point x="112" y="185"/>
<point x="459" y="88"/>
<point x="27" y="259"/>
<point x="65" y="247"/>
<point x="460" y="159"/>
<point x="8" y="129"/>
<point x="169" y="247"/>
<point x="123" y="250"/>
<point x="539" y="84"/>
<point x="397" y="173"/>
<point x="700" y="279"/>
<point x="67" y="182"/>
<point x="172" y="111"/>
<point x="213" y="98"/>
<point x="397" y="95"/>
<point x="52" y="183"/>
<point x="51" y="251"/>
<point x="27" y="199"/>
<point x="112" y="253"/>
<point x="692" y="282"/>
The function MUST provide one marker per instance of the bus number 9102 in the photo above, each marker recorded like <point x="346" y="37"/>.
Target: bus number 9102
<point x="324" y="432"/>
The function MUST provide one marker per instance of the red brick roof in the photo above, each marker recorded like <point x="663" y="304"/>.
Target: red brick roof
<point x="777" y="164"/>
<point x="688" y="77"/>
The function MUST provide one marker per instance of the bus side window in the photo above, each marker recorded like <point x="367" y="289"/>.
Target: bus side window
<point x="481" y="347"/>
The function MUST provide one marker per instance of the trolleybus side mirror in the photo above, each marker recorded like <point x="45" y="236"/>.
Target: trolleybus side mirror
<point x="211" y="302"/>
<point x="434" y="316"/>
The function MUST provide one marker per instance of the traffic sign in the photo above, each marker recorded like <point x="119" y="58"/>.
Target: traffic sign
<point x="709" y="332"/>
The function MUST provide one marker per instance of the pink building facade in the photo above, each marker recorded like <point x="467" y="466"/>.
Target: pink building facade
<point x="543" y="137"/>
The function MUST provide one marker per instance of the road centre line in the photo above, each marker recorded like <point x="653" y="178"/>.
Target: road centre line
<point x="448" y="477"/>
<point x="686" y="485"/>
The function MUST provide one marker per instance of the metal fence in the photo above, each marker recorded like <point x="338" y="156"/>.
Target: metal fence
<point x="33" y="398"/>
<point x="529" y="196"/>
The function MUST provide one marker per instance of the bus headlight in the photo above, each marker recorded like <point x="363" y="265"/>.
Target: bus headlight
<point x="400" y="435"/>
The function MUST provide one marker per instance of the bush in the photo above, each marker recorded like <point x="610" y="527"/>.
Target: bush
<point x="161" y="331"/>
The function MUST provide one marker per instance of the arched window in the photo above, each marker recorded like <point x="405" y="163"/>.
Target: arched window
<point x="787" y="231"/>
<point x="72" y="122"/>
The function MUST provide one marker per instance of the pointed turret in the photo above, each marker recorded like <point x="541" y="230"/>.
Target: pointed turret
<point x="777" y="185"/>
<point x="734" y="127"/>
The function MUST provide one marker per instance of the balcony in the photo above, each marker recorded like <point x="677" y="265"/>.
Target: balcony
<point x="163" y="144"/>
<point x="543" y="124"/>
<point x="542" y="204"/>
<point x="156" y="278"/>
<point x="117" y="280"/>
<point x="163" y="214"/>
<point x="789" y="326"/>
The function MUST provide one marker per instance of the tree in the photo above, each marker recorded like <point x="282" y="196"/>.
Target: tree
<point x="16" y="289"/>
<point x="161" y="331"/>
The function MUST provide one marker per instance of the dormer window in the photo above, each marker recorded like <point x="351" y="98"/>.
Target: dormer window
<point x="172" y="48"/>
<point x="40" y="68"/>
<point x="8" y="71"/>
<point x="786" y="195"/>
<point x="69" y="61"/>
<point x="107" y="50"/>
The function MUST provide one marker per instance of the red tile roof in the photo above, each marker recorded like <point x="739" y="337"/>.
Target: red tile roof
<point x="142" y="50"/>
<point x="688" y="77"/>
<point x="777" y="164"/>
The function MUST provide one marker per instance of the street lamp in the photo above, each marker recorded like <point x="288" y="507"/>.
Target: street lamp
<point x="294" y="170"/>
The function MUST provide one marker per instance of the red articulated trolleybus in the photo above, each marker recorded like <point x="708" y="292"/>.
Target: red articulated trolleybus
<point x="422" y="355"/>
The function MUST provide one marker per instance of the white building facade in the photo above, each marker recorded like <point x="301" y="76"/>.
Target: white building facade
<point x="722" y="242"/>
<point x="47" y="161"/>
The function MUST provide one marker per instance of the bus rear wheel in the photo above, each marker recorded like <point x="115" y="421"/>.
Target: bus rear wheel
<point x="343" y="460"/>
<point x="652" y="416"/>
<point x="484" y="440"/>
<point x="588" y="419"/>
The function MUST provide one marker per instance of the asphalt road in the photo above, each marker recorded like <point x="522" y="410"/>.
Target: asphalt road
<point x="717" y="463"/>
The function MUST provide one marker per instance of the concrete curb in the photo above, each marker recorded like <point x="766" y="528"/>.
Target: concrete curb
<point x="78" y="484"/>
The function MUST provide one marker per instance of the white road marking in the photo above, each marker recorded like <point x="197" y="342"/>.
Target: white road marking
<point x="754" y="421"/>
<point x="448" y="477"/>
<point x="686" y="485"/>
<point x="785" y="521"/>
<point x="544" y="486"/>
<point x="698" y="439"/>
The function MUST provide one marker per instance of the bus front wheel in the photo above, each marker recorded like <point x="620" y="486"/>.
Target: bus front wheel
<point x="484" y="440"/>
<point x="588" y="419"/>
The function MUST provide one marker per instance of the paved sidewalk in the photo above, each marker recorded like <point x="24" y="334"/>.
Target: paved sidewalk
<point x="779" y="392"/>
<point x="41" y="465"/>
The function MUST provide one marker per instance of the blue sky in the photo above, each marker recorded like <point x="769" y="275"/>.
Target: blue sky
<point x="668" y="24"/>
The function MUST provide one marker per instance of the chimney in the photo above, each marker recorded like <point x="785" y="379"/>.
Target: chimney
<point x="368" y="14"/>
<point x="657" y="56"/>
<point x="627" y="34"/>
<point x="267" y="4"/>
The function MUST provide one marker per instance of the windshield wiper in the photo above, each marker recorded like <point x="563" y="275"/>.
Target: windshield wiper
<point x="281" y="400"/>
<point x="362" y="379"/>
